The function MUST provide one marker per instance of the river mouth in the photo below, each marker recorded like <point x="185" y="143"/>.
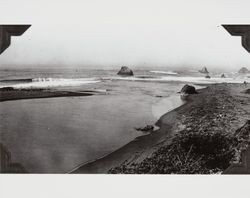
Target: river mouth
<point x="54" y="135"/>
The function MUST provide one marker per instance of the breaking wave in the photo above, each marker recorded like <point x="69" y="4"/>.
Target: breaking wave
<point x="165" y="72"/>
<point x="46" y="82"/>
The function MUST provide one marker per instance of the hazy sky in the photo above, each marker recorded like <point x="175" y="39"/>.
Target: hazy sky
<point x="108" y="33"/>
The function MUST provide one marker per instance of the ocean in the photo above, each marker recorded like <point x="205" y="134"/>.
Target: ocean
<point x="55" y="135"/>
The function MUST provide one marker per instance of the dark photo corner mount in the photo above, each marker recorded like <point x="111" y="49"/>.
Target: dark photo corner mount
<point x="240" y="30"/>
<point x="6" y="31"/>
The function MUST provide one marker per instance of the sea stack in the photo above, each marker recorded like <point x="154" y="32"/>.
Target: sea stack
<point x="204" y="70"/>
<point x="207" y="76"/>
<point x="223" y="76"/>
<point x="125" y="71"/>
<point x="243" y="70"/>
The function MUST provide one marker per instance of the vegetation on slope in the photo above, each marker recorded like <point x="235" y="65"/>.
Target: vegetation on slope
<point x="189" y="153"/>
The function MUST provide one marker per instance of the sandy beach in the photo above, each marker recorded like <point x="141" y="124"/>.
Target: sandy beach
<point x="220" y="107"/>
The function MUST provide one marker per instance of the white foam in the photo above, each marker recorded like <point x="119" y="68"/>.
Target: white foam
<point x="54" y="82"/>
<point x="165" y="72"/>
<point x="59" y="82"/>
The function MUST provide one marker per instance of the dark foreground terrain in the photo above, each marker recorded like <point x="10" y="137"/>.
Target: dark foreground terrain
<point x="199" y="137"/>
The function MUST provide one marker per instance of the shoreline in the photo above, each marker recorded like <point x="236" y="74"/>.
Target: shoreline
<point x="232" y="103"/>
<point x="90" y="166"/>
<point x="25" y="94"/>
<point x="20" y="94"/>
<point x="136" y="139"/>
<point x="229" y="95"/>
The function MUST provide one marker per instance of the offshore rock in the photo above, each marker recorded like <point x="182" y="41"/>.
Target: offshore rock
<point x="188" y="89"/>
<point x="125" y="71"/>
<point x="243" y="70"/>
<point x="204" y="70"/>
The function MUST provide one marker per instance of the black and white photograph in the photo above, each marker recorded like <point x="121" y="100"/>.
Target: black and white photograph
<point x="120" y="87"/>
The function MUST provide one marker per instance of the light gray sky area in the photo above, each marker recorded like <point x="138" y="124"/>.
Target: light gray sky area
<point x="108" y="33"/>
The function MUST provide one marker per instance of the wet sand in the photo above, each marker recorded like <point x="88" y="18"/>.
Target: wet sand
<point x="218" y="107"/>
<point x="17" y="94"/>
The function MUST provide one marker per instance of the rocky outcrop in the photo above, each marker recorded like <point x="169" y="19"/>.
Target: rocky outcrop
<point x="207" y="76"/>
<point x="125" y="71"/>
<point x="204" y="70"/>
<point x="243" y="70"/>
<point x="147" y="128"/>
<point x="188" y="89"/>
<point x="223" y="76"/>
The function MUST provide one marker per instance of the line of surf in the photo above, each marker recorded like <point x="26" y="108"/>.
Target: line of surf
<point x="165" y="72"/>
<point x="47" y="82"/>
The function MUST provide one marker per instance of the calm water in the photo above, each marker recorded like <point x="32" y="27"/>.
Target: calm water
<point x="54" y="135"/>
